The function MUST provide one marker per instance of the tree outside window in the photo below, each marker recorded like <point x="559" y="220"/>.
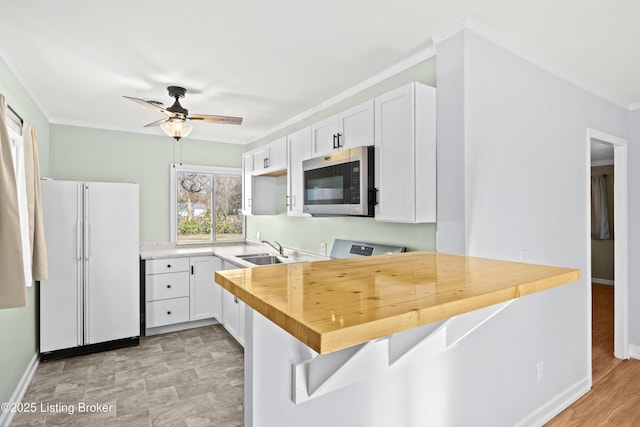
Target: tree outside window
<point x="208" y="206"/>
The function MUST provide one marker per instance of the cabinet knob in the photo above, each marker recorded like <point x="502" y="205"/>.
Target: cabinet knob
<point x="168" y="286"/>
<point x="168" y="265"/>
<point x="169" y="312"/>
<point x="235" y="299"/>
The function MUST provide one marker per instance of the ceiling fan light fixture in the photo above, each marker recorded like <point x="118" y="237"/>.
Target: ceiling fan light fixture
<point x="177" y="128"/>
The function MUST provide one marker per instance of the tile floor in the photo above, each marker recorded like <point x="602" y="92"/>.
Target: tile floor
<point x="186" y="378"/>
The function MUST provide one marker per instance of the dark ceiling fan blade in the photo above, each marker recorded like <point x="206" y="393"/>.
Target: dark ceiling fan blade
<point x="150" y="105"/>
<point x="216" y="119"/>
<point x="156" y="123"/>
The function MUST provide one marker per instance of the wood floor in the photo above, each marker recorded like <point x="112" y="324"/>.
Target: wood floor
<point x="187" y="378"/>
<point x="614" y="399"/>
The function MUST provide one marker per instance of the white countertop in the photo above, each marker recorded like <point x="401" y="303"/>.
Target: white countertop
<point x="227" y="251"/>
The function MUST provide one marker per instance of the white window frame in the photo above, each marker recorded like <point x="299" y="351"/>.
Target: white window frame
<point x="17" y="152"/>
<point x="173" y="172"/>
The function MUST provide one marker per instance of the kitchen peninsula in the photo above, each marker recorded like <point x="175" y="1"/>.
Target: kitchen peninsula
<point x="356" y="327"/>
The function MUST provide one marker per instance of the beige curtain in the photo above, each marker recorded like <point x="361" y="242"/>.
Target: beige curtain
<point x="39" y="264"/>
<point x="599" y="212"/>
<point x="13" y="292"/>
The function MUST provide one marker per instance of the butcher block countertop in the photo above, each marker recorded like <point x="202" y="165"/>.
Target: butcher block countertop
<point x="335" y="304"/>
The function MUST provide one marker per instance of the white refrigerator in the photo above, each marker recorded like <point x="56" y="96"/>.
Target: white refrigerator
<point x="92" y="295"/>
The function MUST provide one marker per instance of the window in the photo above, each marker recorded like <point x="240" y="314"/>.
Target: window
<point x="206" y="204"/>
<point x="17" y="151"/>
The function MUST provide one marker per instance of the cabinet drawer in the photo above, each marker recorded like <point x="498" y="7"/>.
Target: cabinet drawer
<point x="166" y="286"/>
<point x="166" y="265"/>
<point x="167" y="312"/>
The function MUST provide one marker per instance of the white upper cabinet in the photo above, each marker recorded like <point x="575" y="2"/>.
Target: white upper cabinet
<point x="258" y="192"/>
<point x="299" y="149"/>
<point x="350" y="128"/>
<point x="405" y="157"/>
<point x="270" y="158"/>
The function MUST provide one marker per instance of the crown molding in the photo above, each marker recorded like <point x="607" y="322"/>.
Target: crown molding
<point x="401" y="66"/>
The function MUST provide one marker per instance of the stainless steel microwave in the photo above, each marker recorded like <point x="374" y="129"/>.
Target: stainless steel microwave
<point x="340" y="183"/>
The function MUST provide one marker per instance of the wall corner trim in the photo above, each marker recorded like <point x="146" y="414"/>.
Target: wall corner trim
<point x="7" y="417"/>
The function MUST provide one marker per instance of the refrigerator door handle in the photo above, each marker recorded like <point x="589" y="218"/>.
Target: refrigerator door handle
<point x="87" y="241"/>
<point x="79" y="227"/>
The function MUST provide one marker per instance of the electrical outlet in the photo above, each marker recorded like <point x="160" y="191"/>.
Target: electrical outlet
<point x="540" y="367"/>
<point x="258" y="236"/>
<point x="323" y="248"/>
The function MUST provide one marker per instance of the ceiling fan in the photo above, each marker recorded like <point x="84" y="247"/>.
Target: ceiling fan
<point x="176" y="125"/>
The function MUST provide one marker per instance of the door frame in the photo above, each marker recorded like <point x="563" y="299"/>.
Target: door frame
<point x="621" y="243"/>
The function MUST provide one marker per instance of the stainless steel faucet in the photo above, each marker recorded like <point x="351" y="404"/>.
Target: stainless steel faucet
<point x="279" y="248"/>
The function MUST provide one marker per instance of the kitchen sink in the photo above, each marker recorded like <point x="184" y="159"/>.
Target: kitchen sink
<point x="253" y="255"/>
<point x="260" y="259"/>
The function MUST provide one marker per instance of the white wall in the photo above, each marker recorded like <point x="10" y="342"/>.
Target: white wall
<point x="525" y="166"/>
<point x="634" y="229"/>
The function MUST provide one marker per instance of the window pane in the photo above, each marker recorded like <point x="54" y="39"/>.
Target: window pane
<point x="228" y="206"/>
<point x="194" y="206"/>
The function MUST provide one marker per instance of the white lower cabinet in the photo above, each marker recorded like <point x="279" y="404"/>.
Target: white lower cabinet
<point x="183" y="290"/>
<point x="205" y="295"/>
<point x="233" y="311"/>
<point x="180" y="290"/>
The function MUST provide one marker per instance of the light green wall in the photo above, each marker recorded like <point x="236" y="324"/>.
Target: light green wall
<point x="18" y="326"/>
<point x="102" y="155"/>
<point x="308" y="233"/>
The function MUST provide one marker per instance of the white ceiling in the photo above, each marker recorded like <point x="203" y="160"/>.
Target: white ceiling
<point x="271" y="60"/>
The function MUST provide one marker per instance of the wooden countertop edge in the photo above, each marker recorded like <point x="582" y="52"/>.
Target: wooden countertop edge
<point x="358" y="334"/>
<point x="289" y="324"/>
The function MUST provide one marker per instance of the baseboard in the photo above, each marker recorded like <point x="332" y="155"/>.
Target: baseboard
<point x="7" y="417"/>
<point x="562" y="401"/>
<point x="603" y="281"/>
<point x="634" y="351"/>
<point x="180" y="326"/>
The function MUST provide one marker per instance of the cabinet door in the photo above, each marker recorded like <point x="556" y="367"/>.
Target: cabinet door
<point x="299" y="146"/>
<point x="247" y="170"/>
<point x="405" y="160"/>
<point x="260" y="160"/>
<point x="270" y="158"/>
<point x="323" y="136"/>
<point x="231" y="313"/>
<point x="395" y="161"/>
<point x="356" y="126"/>
<point x="277" y="159"/>
<point x="203" y="289"/>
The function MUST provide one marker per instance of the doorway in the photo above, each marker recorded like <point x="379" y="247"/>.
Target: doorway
<point x="618" y="146"/>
